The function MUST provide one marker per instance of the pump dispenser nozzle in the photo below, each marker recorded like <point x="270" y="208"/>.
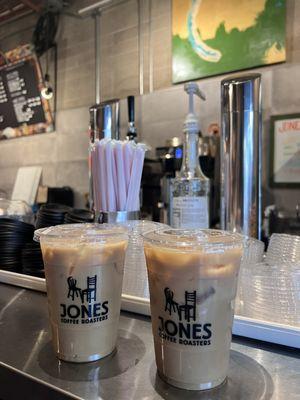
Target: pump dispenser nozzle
<point x="191" y="123"/>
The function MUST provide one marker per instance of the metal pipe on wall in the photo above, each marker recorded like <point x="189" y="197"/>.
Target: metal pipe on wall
<point x="241" y="155"/>
<point x="97" y="17"/>
<point x="141" y="46"/>
<point x="150" y="47"/>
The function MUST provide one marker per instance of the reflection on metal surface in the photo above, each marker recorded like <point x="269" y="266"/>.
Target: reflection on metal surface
<point x="10" y="303"/>
<point x="105" y="120"/>
<point x="241" y="154"/>
<point x="34" y="350"/>
<point x="247" y="380"/>
<point x="130" y="350"/>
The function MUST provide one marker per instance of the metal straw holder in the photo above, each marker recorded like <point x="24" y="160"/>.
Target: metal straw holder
<point x="116" y="217"/>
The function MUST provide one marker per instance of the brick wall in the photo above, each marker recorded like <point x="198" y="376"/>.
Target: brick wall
<point x="160" y="113"/>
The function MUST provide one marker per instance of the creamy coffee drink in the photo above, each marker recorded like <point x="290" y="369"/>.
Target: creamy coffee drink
<point x="84" y="272"/>
<point x="192" y="281"/>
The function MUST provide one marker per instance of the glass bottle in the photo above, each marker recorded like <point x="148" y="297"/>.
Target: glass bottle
<point x="190" y="191"/>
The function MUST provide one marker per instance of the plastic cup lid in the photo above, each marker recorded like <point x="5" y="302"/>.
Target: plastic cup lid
<point x="82" y="233"/>
<point x="195" y="239"/>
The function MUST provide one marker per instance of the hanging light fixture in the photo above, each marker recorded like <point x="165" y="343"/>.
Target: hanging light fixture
<point x="44" y="39"/>
<point x="47" y="91"/>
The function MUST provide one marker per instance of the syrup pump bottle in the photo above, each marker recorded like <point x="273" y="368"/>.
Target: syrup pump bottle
<point x="190" y="191"/>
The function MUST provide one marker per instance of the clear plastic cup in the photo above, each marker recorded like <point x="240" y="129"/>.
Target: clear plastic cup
<point x="253" y="253"/>
<point x="192" y="280"/>
<point x="16" y="209"/>
<point x="84" y="271"/>
<point x="271" y="292"/>
<point x="135" y="282"/>
<point x="283" y="248"/>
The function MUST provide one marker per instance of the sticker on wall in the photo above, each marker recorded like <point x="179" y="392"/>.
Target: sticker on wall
<point x="211" y="37"/>
<point x="285" y="151"/>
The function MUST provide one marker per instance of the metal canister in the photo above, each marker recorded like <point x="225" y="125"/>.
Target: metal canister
<point x="241" y="154"/>
<point x="104" y="123"/>
<point x="117" y="217"/>
<point x="105" y="120"/>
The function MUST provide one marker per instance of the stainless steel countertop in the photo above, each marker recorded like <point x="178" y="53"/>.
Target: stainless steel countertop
<point x="257" y="371"/>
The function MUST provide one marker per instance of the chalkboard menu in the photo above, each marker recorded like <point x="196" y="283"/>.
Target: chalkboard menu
<point x="20" y="100"/>
<point x="23" y="111"/>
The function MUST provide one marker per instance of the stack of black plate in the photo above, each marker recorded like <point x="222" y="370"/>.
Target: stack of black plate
<point x="51" y="214"/>
<point x="77" y="216"/>
<point x="32" y="260"/>
<point x="13" y="236"/>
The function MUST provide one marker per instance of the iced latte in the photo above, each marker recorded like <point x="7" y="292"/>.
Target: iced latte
<point x="84" y="272"/>
<point x="192" y="281"/>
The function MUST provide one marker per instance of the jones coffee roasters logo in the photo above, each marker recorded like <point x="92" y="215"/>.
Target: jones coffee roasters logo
<point x="185" y="329"/>
<point x="89" y="310"/>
